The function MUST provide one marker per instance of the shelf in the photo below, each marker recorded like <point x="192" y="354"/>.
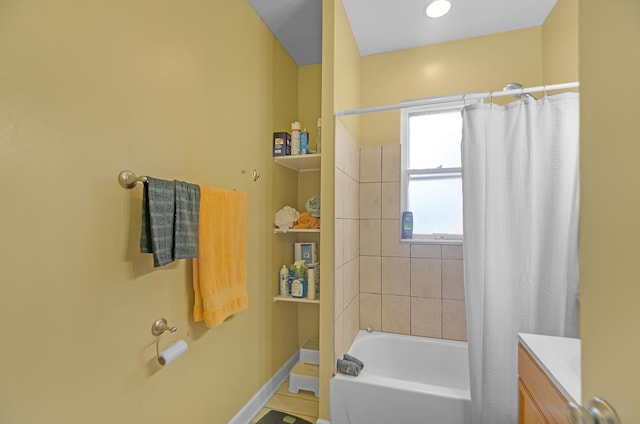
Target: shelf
<point x="280" y="298"/>
<point x="291" y="230"/>
<point x="300" y="162"/>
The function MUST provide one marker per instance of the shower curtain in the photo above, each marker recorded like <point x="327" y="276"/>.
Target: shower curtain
<point x="521" y="202"/>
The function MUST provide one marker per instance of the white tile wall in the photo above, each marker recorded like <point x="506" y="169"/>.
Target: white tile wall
<point x="426" y="278"/>
<point x="454" y="325"/>
<point x="370" y="164"/>
<point x="339" y="193"/>
<point x="390" y="163"/>
<point x="351" y="236"/>
<point x="347" y="240"/>
<point x="371" y="311"/>
<point x="379" y="282"/>
<point x="338" y="292"/>
<point x="351" y="198"/>
<point x="391" y="245"/>
<point x="370" y="237"/>
<point x="396" y="276"/>
<point x="426" y="317"/>
<point x="452" y="279"/>
<point x="339" y="243"/>
<point x="390" y="201"/>
<point x="370" y="201"/>
<point x="351" y="280"/>
<point x="396" y="314"/>
<point x="404" y="288"/>
<point x="370" y="274"/>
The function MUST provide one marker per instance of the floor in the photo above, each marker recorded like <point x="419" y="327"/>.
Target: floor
<point x="302" y="404"/>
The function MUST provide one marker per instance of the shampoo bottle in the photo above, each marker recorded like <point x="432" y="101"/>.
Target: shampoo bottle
<point x="407" y="225"/>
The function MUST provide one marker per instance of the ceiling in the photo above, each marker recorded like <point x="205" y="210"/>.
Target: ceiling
<point x="381" y="26"/>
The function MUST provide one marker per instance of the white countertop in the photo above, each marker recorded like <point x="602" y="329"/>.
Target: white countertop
<point x="559" y="358"/>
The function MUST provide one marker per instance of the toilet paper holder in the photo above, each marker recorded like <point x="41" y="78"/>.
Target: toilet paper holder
<point x="158" y="329"/>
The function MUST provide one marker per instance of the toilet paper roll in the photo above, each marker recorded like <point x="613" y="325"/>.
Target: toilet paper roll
<point x="170" y="354"/>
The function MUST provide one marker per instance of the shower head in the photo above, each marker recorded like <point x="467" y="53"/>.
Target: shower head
<point x="517" y="86"/>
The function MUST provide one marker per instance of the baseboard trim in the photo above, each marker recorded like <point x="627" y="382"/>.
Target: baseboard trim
<point x="321" y="421"/>
<point x="257" y="402"/>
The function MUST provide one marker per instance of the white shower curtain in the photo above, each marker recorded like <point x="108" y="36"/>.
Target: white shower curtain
<point x="521" y="204"/>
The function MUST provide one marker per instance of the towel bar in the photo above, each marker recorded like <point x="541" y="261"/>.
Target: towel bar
<point x="128" y="179"/>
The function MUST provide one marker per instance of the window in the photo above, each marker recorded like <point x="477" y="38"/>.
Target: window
<point x="431" y="170"/>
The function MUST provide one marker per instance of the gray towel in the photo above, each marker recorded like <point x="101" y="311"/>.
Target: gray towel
<point x="348" y="367"/>
<point x="348" y="357"/>
<point x="158" y="215"/>
<point x="187" y="220"/>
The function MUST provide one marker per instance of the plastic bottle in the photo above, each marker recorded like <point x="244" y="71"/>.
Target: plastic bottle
<point x="311" y="282"/>
<point x="284" y="281"/>
<point x="304" y="142"/>
<point x="319" y="135"/>
<point x="407" y="225"/>
<point x="299" y="288"/>
<point x="295" y="138"/>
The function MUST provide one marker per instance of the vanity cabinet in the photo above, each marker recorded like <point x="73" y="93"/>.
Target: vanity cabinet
<point x="539" y="400"/>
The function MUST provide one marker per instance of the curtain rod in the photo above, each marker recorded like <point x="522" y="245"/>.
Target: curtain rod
<point x="458" y="97"/>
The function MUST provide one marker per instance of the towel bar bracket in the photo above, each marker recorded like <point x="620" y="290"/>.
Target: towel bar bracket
<point x="128" y="179"/>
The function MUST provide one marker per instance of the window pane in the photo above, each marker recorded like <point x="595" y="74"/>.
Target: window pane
<point x="434" y="140"/>
<point x="436" y="203"/>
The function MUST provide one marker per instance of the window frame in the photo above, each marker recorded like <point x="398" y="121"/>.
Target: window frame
<point x="406" y="172"/>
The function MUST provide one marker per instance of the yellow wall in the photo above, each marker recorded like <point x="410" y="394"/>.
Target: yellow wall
<point x="308" y="314"/>
<point x="610" y="205"/>
<point x="560" y="43"/>
<point x="347" y="71"/>
<point x="476" y="64"/>
<point x="327" y="212"/>
<point x="88" y="89"/>
<point x="310" y="99"/>
<point x="340" y="89"/>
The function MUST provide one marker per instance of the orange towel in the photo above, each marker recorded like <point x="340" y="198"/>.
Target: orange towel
<point x="306" y="221"/>
<point x="220" y="271"/>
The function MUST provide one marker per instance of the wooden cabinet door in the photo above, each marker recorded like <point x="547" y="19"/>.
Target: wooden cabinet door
<point x="543" y="393"/>
<point x="528" y="411"/>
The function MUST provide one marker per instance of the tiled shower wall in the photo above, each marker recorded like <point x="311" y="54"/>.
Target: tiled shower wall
<point x="405" y="288"/>
<point x="347" y="241"/>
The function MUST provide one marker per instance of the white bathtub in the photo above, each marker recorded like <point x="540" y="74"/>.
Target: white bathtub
<point x="406" y="380"/>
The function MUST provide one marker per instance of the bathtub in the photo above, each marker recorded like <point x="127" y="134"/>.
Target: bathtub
<point x="406" y="380"/>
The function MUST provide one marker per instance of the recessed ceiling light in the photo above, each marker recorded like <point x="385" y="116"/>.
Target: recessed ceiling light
<point x="437" y="8"/>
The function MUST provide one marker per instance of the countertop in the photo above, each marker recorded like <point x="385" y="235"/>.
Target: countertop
<point x="559" y="358"/>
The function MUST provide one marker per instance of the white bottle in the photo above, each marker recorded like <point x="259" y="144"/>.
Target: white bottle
<point x="284" y="281"/>
<point x="319" y="135"/>
<point x="311" y="283"/>
<point x="295" y="138"/>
